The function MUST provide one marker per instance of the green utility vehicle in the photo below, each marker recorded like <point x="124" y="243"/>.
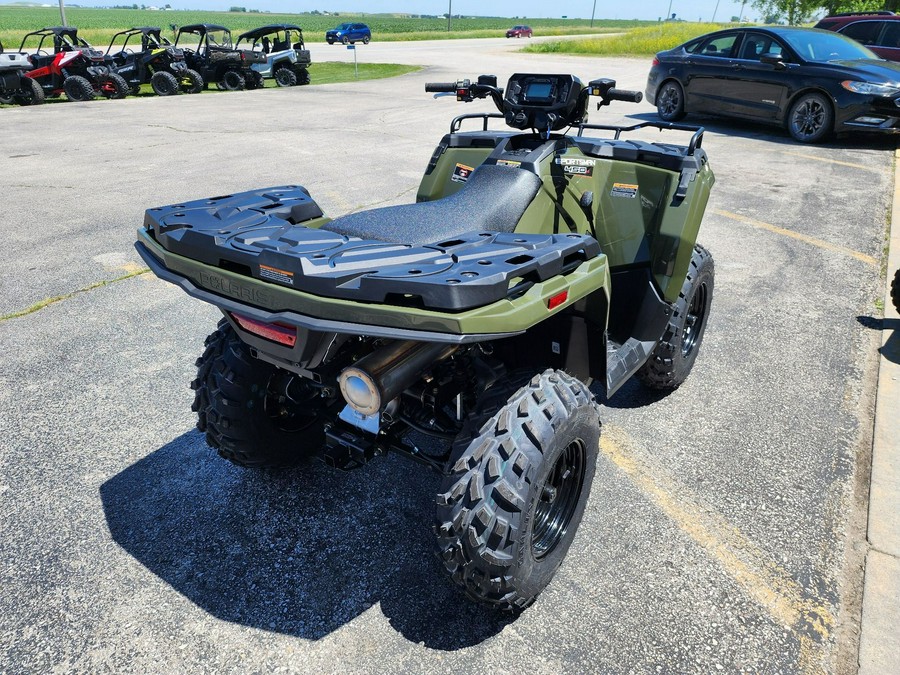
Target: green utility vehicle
<point x="463" y="330"/>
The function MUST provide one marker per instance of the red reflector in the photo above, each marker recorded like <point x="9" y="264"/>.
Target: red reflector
<point x="558" y="299"/>
<point x="655" y="62"/>
<point x="284" y="335"/>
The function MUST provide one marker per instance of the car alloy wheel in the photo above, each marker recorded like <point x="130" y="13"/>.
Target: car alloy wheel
<point x="810" y="118"/>
<point x="670" y="102"/>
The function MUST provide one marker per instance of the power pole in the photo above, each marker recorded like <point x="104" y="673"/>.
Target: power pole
<point x="62" y="13"/>
<point x="592" y="12"/>
<point x="449" y="15"/>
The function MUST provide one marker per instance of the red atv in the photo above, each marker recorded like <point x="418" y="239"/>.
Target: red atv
<point x="74" y="68"/>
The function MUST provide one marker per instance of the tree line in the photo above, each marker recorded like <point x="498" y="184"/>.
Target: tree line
<point x="795" y="12"/>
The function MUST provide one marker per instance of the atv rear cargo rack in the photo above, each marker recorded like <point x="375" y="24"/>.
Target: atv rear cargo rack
<point x="261" y="234"/>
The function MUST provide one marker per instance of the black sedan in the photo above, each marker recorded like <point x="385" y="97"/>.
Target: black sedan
<point x="814" y="82"/>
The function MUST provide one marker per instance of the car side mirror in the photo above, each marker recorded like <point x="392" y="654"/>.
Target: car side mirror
<point x="775" y="60"/>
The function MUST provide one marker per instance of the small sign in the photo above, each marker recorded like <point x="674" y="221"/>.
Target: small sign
<point x="351" y="46"/>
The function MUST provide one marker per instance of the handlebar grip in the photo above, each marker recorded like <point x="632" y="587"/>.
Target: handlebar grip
<point x="624" y="95"/>
<point x="440" y="87"/>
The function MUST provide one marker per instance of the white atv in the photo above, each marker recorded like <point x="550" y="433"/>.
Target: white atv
<point x="15" y="85"/>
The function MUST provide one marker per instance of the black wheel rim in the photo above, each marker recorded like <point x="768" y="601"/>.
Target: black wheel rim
<point x="693" y="322"/>
<point x="558" y="500"/>
<point x="291" y="402"/>
<point x="808" y="118"/>
<point x="669" y="100"/>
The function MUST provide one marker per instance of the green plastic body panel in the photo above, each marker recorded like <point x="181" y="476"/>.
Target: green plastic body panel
<point x="634" y="213"/>
<point x="504" y="316"/>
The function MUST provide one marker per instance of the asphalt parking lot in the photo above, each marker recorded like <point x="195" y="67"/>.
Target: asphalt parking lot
<point x="726" y="525"/>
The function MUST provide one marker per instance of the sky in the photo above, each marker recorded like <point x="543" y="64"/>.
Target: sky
<point x="689" y="10"/>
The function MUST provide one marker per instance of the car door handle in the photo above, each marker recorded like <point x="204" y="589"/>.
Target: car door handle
<point x="737" y="66"/>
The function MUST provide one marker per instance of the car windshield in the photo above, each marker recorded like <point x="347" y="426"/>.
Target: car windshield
<point x="816" y="46"/>
<point x="344" y="26"/>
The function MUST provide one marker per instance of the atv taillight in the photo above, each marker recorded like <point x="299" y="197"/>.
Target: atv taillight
<point x="276" y="332"/>
<point x="558" y="299"/>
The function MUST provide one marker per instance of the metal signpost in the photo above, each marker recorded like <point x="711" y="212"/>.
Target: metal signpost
<point x="355" y="64"/>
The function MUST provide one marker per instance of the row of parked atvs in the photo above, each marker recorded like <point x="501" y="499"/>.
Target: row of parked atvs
<point x="59" y="62"/>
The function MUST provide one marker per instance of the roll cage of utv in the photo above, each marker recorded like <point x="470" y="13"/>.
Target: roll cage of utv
<point x="286" y="58"/>
<point x="62" y="39"/>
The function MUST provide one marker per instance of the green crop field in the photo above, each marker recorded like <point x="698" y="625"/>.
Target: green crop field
<point x="97" y="26"/>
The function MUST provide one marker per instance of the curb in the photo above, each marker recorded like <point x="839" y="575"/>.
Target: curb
<point x="880" y="626"/>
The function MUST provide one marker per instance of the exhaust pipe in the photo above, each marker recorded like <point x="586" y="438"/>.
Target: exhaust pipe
<point x="381" y="376"/>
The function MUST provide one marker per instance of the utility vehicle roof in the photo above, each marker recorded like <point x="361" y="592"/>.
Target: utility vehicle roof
<point x="267" y="30"/>
<point x="201" y="28"/>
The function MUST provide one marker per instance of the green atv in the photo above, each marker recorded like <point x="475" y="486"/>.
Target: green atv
<point x="146" y="57"/>
<point x="461" y="331"/>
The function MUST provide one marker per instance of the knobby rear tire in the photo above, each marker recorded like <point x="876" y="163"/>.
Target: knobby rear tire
<point x="674" y="355"/>
<point x="505" y="515"/>
<point x="895" y="291"/>
<point x="235" y="407"/>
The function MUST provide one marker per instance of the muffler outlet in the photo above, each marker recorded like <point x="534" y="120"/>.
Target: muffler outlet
<point x="378" y="378"/>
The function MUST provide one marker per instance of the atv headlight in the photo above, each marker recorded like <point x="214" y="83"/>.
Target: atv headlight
<point x="870" y="88"/>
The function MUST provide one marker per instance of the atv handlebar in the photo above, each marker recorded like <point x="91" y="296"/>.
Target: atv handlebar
<point x="440" y="87"/>
<point x="624" y="95"/>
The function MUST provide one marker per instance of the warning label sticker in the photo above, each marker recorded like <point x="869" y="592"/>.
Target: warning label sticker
<point x="275" y="274"/>
<point x="624" y="190"/>
<point x="461" y="173"/>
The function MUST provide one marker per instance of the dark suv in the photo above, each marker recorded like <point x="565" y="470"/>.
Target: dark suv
<point x="879" y="31"/>
<point x="349" y="33"/>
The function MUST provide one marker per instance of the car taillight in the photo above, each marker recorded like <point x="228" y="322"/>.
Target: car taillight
<point x="655" y="62"/>
<point x="276" y="332"/>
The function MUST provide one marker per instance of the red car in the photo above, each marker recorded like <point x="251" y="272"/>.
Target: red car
<point x="519" y="32"/>
<point x="879" y="31"/>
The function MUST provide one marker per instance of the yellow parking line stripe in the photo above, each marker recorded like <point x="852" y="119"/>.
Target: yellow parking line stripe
<point x="821" y="243"/>
<point x="761" y="579"/>
<point x="834" y="161"/>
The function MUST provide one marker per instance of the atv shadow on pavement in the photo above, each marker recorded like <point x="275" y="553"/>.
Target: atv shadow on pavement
<point x="633" y="394"/>
<point x="301" y="552"/>
<point x="891" y="348"/>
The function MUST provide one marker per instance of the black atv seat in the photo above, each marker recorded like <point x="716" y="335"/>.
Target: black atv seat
<point x="493" y="199"/>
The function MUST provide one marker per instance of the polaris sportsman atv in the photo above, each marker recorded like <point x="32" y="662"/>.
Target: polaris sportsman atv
<point x="216" y="59"/>
<point x="74" y="67"/>
<point x="15" y="85"/>
<point x="461" y="331"/>
<point x="157" y="62"/>
<point x="286" y="58"/>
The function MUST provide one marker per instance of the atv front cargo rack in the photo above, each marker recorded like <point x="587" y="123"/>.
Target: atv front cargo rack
<point x="261" y="234"/>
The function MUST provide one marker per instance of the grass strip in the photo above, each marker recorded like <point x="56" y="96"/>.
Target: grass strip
<point x="643" y="41"/>
<point x="327" y="72"/>
<point x="46" y="302"/>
